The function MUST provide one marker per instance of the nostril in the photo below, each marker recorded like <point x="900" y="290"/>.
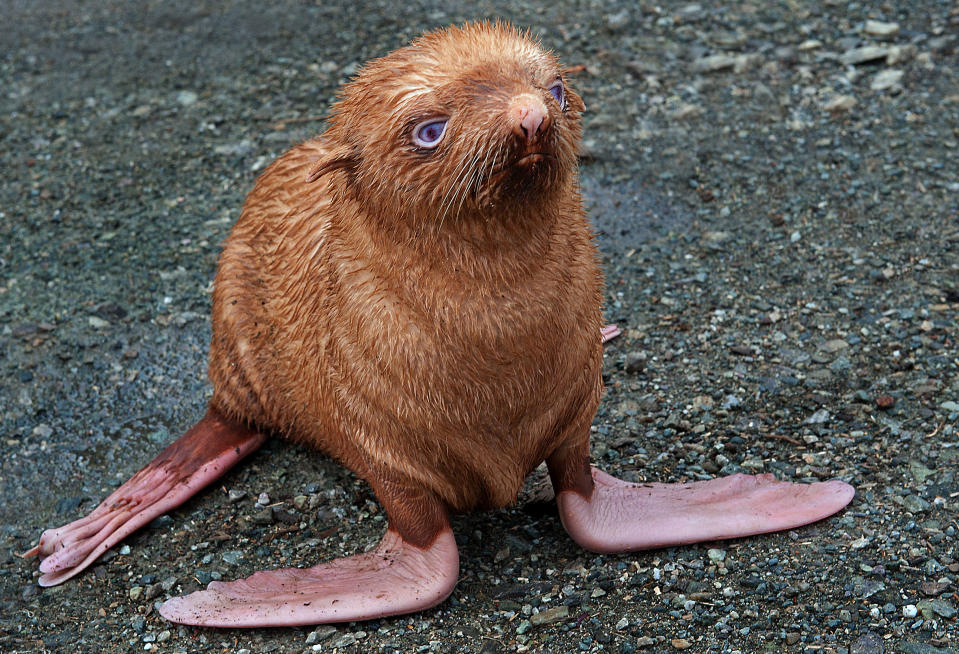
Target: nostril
<point x="530" y="120"/>
<point x="528" y="117"/>
<point x="531" y="123"/>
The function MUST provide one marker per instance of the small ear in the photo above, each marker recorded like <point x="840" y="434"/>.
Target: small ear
<point x="339" y="158"/>
<point x="574" y="102"/>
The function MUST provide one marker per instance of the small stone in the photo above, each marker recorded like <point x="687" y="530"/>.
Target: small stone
<point x="886" y="80"/>
<point x="163" y="636"/>
<point x="880" y="30"/>
<point x="597" y="592"/>
<point x="263" y="499"/>
<point x="42" y="430"/>
<point x="731" y="402"/>
<point x="915" y="504"/>
<point x="168" y="583"/>
<point x="616" y="22"/>
<point x="792" y="638"/>
<point x="943" y="608"/>
<point x="716" y="555"/>
<point x="524" y="626"/>
<point x="920" y="472"/>
<point x="840" y="103"/>
<point x="635" y="362"/>
<point x="236" y="495"/>
<point x="644" y="641"/>
<point x="819" y="417"/>
<point x="136" y="592"/>
<point x="232" y="556"/>
<point x="551" y="614"/>
<point x="885" y="401"/>
<point x="301" y="502"/>
<point x="950" y="406"/>
<point x="868" y="643"/>
<point x="713" y="63"/>
<point x="263" y="517"/>
<point x="864" y="55"/>
<point x="97" y="322"/>
<point x="910" y="611"/>
<point x="344" y="641"/>
<point x="320" y="633"/>
<point x="622" y="624"/>
<point x="835" y="345"/>
<point x="681" y="643"/>
<point x="240" y="148"/>
<point x="186" y="98"/>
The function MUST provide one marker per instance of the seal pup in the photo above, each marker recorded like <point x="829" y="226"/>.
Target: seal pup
<point x="416" y="293"/>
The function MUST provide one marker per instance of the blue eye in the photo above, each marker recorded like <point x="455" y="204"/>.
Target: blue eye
<point x="559" y="92"/>
<point x="429" y="133"/>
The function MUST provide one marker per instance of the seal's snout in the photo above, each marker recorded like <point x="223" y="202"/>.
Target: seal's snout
<point x="529" y="117"/>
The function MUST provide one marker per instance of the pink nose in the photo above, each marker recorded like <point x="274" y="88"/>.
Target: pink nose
<point x="529" y="116"/>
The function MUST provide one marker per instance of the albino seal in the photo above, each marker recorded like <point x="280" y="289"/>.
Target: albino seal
<point x="416" y="293"/>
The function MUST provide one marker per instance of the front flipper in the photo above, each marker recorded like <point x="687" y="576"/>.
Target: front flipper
<point x="619" y="516"/>
<point x="202" y="454"/>
<point x="396" y="577"/>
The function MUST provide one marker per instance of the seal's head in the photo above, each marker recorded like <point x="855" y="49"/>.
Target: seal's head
<point x="463" y="122"/>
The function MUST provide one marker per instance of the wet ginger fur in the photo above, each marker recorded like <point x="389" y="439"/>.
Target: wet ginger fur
<point x="416" y="293"/>
<point x="432" y="312"/>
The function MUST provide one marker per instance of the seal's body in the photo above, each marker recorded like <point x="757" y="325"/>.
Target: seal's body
<point x="416" y="293"/>
<point x="454" y="354"/>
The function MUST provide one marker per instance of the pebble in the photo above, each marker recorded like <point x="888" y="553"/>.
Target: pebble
<point x="713" y="63"/>
<point x="551" y="614"/>
<point x="232" y="556"/>
<point x="320" y="633"/>
<point x="880" y="30"/>
<point x="950" y="406"/>
<point x="716" y="555"/>
<point x="97" y="323"/>
<point x="186" y="98"/>
<point x="344" y="641"/>
<point x="263" y="516"/>
<point x="819" y="417"/>
<point x="840" y="103"/>
<point x="236" y="495"/>
<point x="635" y="362"/>
<point x="864" y="55"/>
<point x="618" y="21"/>
<point x="886" y="80"/>
<point x="910" y="611"/>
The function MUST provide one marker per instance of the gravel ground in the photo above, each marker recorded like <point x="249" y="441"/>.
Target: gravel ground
<point x="775" y="191"/>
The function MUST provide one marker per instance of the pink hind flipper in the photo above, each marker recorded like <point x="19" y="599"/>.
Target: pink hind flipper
<point x="619" y="516"/>
<point x="201" y="455"/>
<point x="396" y="577"/>
<point x="609" y="332"/>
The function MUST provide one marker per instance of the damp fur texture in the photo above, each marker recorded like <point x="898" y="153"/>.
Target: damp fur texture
<point x="429" y="317"/>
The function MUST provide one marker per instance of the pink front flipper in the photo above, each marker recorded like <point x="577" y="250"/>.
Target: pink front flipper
<point x="198" y="457"/>
<point x="620" y="516"/>
<point x="394" y="578"/>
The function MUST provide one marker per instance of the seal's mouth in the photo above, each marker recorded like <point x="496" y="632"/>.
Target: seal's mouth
<point x="532" y="158"/>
